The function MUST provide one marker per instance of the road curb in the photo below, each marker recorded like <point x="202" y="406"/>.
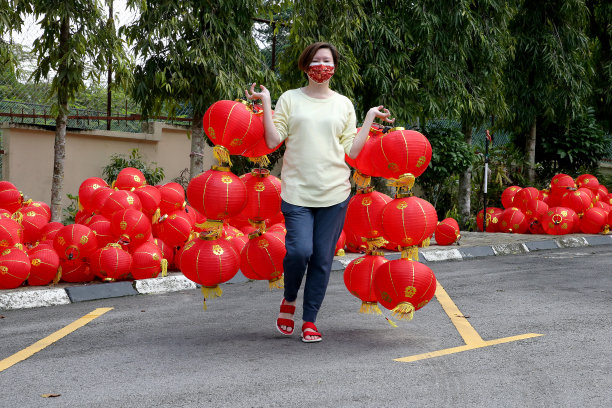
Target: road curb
<point x="30" y="297"/>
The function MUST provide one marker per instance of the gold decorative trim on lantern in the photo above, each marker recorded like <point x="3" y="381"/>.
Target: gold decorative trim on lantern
<point x="410" y="253"/>
<point x="261" y="161"/>
<point x="361" y="180"/>
<point x="404" y="310"/>
<point x="222" y="155"/>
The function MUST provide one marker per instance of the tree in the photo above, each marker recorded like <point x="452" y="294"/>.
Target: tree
<point x="600" y="32"/>
<point x="194" y="53"/>
<point x="11" y="19"/>
<point x="74" y="33"/>
<point x="547" y="80"/>
<point x="460" y="52"/>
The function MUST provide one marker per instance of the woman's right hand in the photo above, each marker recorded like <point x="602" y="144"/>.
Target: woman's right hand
<point x="264" y="94"/>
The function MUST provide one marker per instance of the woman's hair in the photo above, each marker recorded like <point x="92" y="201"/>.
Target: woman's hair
<point x="309" y="52"/>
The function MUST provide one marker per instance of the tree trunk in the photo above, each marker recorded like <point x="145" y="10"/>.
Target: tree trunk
<point x="57" y="186"/>
<point x="197" y="146"/>
<point x="530" y="149"/>
<point x="465" y="185"/>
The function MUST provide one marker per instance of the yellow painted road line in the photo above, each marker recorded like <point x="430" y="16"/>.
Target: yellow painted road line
<point x="52" y="338"/>
<point x="465" y="348"/>
<point x="465" y="329"/>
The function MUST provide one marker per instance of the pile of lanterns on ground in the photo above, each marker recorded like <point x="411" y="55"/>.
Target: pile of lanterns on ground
<point x="567" y="206"/>
<point x="131" y="230"/>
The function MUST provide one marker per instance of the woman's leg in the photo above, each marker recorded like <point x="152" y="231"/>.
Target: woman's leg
<point x="298" y="242"/>
<point x="328" y="223"/>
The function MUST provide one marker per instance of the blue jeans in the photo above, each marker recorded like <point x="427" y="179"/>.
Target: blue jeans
<point x="312" y="234"/>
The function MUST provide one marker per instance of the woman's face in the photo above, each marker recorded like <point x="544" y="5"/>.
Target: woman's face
<point x="323" y="55"/>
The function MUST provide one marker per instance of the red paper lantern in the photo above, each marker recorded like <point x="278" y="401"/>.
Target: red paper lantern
<point x="262" y="258"/>
<point x="399" y="152"/>
<point x="174" y="229"/>
<point x="535" y="209"/>
<point x="513" y="220"/>
<point x="147" y="261"/>
<point x="75" y="271"/>
<point x="404" y="286"/>
<point x="602" y="192"/>
<point x="524" y="196"/>
<point x="11" y="232"/>
<point x="560" y="184"/>
<point x="594" y="221"/>
<point x="111" y="263"/>
<point x="579" y="200"/>
<point x="131" y="226"/>
<point x="364" y="213"/>
<point x="507" y="197"/>
<point x="172" y="198"/>
<point x="209" y="261"/>
<point x="340" y="244"/>
<point x="38" y="207"/>
<point x="14" y="267"/>
<point x="74" y="242"/>
<point x="558" y="221"/>
<point x="10" y="198"/>
<point x="359" y="280"/>
<point x="409" y="221"/>
<point x="120" y="200"/>
<point x="240" y="220"/>
<point x="32" y="223"/>
<point x="45" y="263"/>
<point x="588" y="181"/>
<point x="447" y="232"/>
<point x="263" y="195"/>
<point x="260" y="149"/>
<point x="98" y="199"/>
<point x="363" y="163"/>
<point x="493" y="214"/>
<point x="218" y="194"/>
<point x="603" y="205"/>
<point x="87" y="189"/>
<point x="150" y="198"/>
<point x="197" y="219"/>
<point x="235" y="237"/>
<point x="101" y="226"/>
<point x="233" y="125"/>
<point x="5" y="213"/>
<point x="354" y="243"/>
<point x="129" y="178"/>
<point x="49" y="231"/>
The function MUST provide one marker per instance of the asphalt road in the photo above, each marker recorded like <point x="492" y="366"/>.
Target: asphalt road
<point x="165" y="351"/>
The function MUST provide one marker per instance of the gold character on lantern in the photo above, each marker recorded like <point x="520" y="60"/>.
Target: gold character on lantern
<point x="410" y="291"/>
<point x="226" y="179"/>
<point x="401" y="205"/>
<point x="366" y="201"/>
<point x="217" y="250"/>
<point x="3" y="270"/>
<point x="61" y="241"/>
<point x="263" y="243"/>
<point x="35" y="261"/>
<point x="421" y="161"/>
<point x="130" y="199"/>
<point x="259" y="187"/>
<point x="211" y="132"/>
<point x="84" y="239"/>
<point x="136" y="179"/>
<point x="6" y="252"/>
<point x="123" y="225"/>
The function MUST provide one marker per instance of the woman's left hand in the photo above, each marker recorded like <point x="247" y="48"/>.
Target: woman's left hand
<point x="381" y="113"/>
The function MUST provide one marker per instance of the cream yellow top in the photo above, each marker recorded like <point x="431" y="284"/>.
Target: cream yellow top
<point x="317" y="133"/>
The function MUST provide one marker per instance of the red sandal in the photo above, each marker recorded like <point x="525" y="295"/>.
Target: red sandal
<point x="312" y="332"/>
<point x="285" y="308"/>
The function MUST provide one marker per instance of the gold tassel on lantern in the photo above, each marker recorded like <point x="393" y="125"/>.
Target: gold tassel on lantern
<point x="403" y="311"/>
<point x="164" y="268"/>
<point x="222" y="155"/>
<point x="261" y="161"/>
<point x="405" y="181"/>
<point x="370" y="308"/>
<point x="426" y="243"/>
<point x="277" y="283"/>
<point x="258" y="225"/>
<point x="58" y="276"/>
<point x="156" y="216"/>
<point x="411" y="253"/>
<point x="340" y="252"/>
<point x="211" y="292"/>
<point x="362" y="180"/>
<point x="213" y="226"/>
<point x="374" y="243"/>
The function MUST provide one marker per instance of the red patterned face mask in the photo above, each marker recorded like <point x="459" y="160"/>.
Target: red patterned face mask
<point x="320" y="72"/>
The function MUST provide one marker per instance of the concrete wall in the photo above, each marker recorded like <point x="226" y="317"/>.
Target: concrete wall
<point x="28" y="157"/>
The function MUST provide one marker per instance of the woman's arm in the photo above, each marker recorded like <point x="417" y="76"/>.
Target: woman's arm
<point x="271" y="135"/>
<point x="362" y="135"/>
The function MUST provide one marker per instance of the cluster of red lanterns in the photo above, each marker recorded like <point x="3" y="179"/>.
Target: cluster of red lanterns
<point x="568" y="206"/>
<point x="402" y="223"/>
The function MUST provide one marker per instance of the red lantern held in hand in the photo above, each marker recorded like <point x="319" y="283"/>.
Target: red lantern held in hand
<point x="404" y="286"/>
<point x="74" y="242"/>
<point x="447" y="232"/>
<point x="399" y="152"/>
<point x="129" y="178"/>
<point x="218" y="194"/>
<point x="359" y="280"/>
<point x="408" y="221"/>
<point x="233" y="126"/>
<point x="209" y="261"/>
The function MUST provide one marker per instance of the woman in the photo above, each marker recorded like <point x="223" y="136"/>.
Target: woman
<point x="318" y="126"/>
